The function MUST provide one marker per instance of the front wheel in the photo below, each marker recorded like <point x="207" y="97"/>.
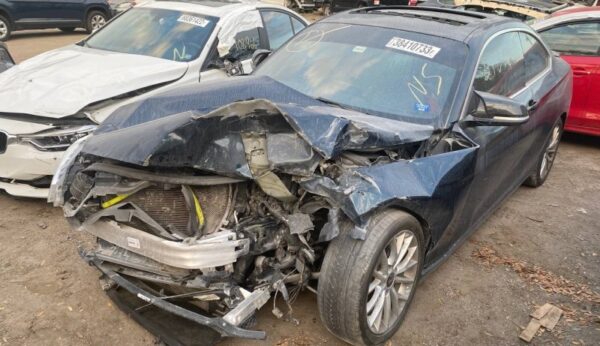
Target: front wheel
<point x="5" y="29"/>
<point x="366" y="286"/>
<point x="95" y="21"/>
<point x="546" y="161"/>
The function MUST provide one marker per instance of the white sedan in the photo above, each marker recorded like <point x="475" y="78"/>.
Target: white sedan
<point x="50" y="101"/>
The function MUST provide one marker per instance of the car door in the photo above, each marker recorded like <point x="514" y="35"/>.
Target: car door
<point x="30" y="13"/>
<point x="578" y="43"/>
<point x="280" y="27"/>
<point x="501" y="71"/>
<point x="67" y="11"/>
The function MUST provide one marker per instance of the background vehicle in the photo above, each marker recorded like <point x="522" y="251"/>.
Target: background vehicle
<point x="301" y="5"/>
<point x="359" y="155"/>
<point x="575" y="35"/>
<point x="343" y="5"/>
<point x="6" y="61"/>
<point x="525" y="10"/>
<point x="66" y="15"/>
<point x="157" y="45"/>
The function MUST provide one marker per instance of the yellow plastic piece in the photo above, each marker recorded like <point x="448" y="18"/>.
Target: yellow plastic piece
<point x="114" y="201"/>
<point x="199" y="212"/>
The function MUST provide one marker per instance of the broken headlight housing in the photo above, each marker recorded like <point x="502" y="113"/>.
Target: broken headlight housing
<point x="56" y="195"/>
<point x="57" y="140"/>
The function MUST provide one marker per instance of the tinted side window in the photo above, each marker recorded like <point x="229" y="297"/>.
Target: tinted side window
<point x="536" y="56"/>
<point x="501" y="69"/>
<point x="279" y="28"/>
<point x="581" y="38"/>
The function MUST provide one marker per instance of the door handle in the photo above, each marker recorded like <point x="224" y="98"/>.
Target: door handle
<point x="581" y="72"/>
<point x="532" y="105"/>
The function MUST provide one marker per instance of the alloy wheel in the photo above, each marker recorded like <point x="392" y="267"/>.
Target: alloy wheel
<point x="392" y="282"/>
<point x="98" y="22"/>
<point x="3" y="29"/>
<point x="550" y="153"/>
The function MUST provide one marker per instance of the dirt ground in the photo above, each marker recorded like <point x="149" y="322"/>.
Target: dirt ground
<point x="541" y="246"/>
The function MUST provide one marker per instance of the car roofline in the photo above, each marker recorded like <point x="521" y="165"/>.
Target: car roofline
<point x="197" y="7"/>
<point x="565" y="18"/>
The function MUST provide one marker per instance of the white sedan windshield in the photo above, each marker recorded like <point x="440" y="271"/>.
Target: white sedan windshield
<point x="159" y="33"/>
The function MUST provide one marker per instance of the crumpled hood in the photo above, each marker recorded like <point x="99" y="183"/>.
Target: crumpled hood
<point x="205" y="129"/>
<point x="62" y="82"/>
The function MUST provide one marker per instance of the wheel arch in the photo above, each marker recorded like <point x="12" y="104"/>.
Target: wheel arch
<point x="96" y="8"/>
<point x="422" y="221"/>
<point x="4" y="12"/>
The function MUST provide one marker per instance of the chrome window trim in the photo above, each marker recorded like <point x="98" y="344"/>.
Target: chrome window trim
<point x="527" y="84"/>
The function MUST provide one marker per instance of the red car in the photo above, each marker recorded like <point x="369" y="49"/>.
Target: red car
<point x="575" y="35"/>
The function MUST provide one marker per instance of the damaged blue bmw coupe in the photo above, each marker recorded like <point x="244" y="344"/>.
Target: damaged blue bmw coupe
<point x="354" y="161"/>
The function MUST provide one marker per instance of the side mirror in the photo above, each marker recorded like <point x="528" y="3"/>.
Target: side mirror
<point x="488" y="109"/>
<point x="259" y="56"/>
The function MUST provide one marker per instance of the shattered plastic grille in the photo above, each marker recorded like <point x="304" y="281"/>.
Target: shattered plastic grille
<point x="168" y="208"/>
<point x="3" y="142"/>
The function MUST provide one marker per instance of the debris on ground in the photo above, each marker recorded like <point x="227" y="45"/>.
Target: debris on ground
<point x="298" y="340"/>
<point x="546" y="280"/>
<point x="546" y="316"/>
<point x="42" y="225"/>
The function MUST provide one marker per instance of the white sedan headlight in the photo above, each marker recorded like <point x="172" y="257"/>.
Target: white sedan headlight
<point x="57" y="140"/>
<point x="56" y="195"/>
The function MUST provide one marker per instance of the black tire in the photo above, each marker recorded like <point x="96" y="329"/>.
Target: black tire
<point x="347" y="271"/>
<point x="91" y="21"/>
<point x="538" y="178"/>
<point x="5" y="29"/>
<point x="67" y="29"/>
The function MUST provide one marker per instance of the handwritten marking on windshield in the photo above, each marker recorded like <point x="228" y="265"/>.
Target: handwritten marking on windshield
<point x="439" y="79"/>
<point x="179" y="56"/>
<point x="420" y="87"/>
<point x="309" y="38"/>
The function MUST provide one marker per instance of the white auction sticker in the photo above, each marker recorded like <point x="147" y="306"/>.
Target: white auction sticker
<point x="193" y="20"/>
<point x="133" y="242"/>
<point x="414" y="47"/>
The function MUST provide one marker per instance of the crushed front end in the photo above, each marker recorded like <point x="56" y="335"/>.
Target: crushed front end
<point x="206" y="216"/>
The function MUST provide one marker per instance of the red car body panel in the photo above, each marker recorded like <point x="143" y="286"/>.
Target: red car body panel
<point x="584" y="115"/>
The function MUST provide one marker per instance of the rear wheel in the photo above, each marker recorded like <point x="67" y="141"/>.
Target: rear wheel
<point x="5" y="29"/>
<point x="548" y="156"/>
<point x="95" y="21"/>
<point x="366" y="287"/>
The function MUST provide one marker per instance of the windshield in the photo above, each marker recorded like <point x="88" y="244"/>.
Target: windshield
<point x="386" y="72"/>
<point x="159" y="33"/>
